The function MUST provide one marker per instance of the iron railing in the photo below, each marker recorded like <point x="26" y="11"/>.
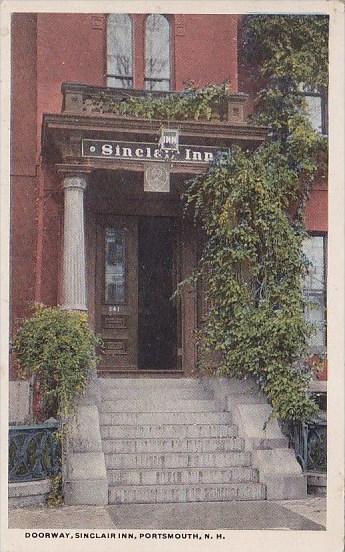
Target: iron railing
<point x="310" y="443"/>
<point x="34" y="452"/>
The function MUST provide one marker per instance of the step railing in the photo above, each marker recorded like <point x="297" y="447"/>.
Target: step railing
<point x="310" y="443"/>
<point x="34" y="452"/>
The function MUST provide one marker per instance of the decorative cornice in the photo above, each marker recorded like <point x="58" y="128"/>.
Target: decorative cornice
<point x="77" y="167"/>
<point x="114" y="125"/>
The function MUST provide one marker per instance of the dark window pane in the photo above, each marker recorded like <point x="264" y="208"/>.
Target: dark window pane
<point x="157" y="53"/>
<point x="119" y="51"/>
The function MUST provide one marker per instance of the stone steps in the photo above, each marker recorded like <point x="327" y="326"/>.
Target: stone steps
<point x="176" y="459"/>
<point x="158" y="418"/>
<point x="146" y="494"/>
<point x="173" y="476"/>
<point x="224" y="444"/>
<point x="150" y="383"/>
<point x="167" y="440"/>
<point x="168" y="431"/>
<point x="159" y="405"/>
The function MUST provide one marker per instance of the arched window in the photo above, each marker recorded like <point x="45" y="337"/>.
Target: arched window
<point x="119" y="51"/>
<point x="157" y="53"/>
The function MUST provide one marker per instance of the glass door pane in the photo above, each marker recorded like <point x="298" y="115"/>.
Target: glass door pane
<point x="115" y="266"/>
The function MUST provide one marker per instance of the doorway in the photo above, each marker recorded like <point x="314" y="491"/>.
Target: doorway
<point x="157" y="281"/>
<point x="137" y="271"/>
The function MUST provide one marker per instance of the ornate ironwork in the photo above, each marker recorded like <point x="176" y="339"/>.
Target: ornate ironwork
<point x="34" y="452"/>
<point x="317" y="446"/>
<point x="310" y="443"/>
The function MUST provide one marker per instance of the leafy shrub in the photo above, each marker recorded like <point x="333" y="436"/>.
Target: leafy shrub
<point x="57" y="346"/>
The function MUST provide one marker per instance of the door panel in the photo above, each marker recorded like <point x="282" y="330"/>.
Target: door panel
<point x="117" y="292"/>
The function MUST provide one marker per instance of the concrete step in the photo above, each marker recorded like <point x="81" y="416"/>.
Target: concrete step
<point x="168" y="431"/>
<point x="185" y="493"/>
<point x="176" y="460"/>
<point x="156" y="394"/>
<point x="115" y="393"/>
<point x="317" y="483"/>
<point x="231" y="386"/>
<point x="28" y="493"/>
<point x="171" y="476"/>
<point x="159" y="405"/>
<point x="150" y="383"/>
<point x="225" y="444"/>
<point x="158" y="418"/>
<point x="161" y="389"/>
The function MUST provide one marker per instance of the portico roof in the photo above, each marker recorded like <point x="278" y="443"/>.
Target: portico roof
<point x="62" y="133"/>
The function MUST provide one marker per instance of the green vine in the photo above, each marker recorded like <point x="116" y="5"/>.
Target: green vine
<point x="55" y="496"/>
<point x="251" y="211"/>
<point x="205" y="103"/>
<point x="59" y="348"/>
<point x="253" y="268"/>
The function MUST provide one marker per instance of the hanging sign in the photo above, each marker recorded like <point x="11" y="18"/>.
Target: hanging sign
<point x="169" y="140"/>
<point x="143" y="151"/>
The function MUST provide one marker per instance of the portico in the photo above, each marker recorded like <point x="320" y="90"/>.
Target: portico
<point x="126" y="243"/>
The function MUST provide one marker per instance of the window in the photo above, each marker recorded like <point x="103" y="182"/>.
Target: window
<point x="317" y="108"/>
<point x="315" y="249"/>
<point x="119" y="51"/>
<point x="157" y="53"/>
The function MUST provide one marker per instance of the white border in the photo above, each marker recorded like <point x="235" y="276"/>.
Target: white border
<point x="244" y="541"/>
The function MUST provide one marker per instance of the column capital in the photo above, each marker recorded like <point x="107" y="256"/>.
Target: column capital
<point x="75" y="181"/>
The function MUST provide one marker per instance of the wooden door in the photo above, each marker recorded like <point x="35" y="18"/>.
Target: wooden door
<point x="117" y="292"/>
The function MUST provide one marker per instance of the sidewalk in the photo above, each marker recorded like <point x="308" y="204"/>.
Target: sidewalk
<point x="307" y="514"/>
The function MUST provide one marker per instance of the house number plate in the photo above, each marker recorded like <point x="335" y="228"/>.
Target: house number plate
<point x="114" y="308"/>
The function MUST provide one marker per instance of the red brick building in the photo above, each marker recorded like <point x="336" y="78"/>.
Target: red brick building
<point x="51" y="118"/>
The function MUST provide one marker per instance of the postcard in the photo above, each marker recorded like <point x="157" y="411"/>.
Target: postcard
<point x="172" y="275"/>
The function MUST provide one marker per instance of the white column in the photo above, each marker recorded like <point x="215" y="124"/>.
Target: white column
<point x="74" y="275"/>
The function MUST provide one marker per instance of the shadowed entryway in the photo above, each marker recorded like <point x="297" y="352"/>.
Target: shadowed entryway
<point x="157" y="278"/>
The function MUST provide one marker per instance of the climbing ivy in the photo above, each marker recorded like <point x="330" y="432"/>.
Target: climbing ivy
<point x="192" y="103"/>
<point x="291" y="48"/>
<point x="252" y="269"/>
<point x="251" y="211"/>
